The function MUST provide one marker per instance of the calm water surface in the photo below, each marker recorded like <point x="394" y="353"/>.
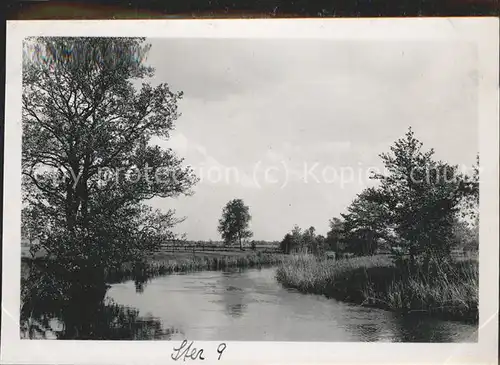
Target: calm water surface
<point x="251" y="305"/>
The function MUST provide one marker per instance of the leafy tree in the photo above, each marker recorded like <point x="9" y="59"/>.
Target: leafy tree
<point x="303" y="241"/>
<point x="293" y="241"/>
<point x="313" y="242"/>
<point x="366" y="223"/>
<point x="319" y="247"/>
<point x="308" y="238"/>
<point x="234" y="224"/>
<point x="31" y="224"/>
<point x="335" y="236"/>
<point x="286" y="244"/>
<point x="466" y="235"/>
<point x="422" y="196"/>
<point x="298" y="239"/>
<point x="469" y="206"/>
<point x="87" y="161"/>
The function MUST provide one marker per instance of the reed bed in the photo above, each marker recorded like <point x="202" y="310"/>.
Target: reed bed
<point x="448" y="290"/>
<point x="160" y="267"/>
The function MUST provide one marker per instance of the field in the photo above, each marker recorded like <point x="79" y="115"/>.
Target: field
<point x="449" y="291"/>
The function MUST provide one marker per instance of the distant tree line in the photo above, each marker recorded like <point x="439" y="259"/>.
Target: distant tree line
<point x="212" y="243"/>
<point x="303" y="241"/>
<point x="421" y="208"/>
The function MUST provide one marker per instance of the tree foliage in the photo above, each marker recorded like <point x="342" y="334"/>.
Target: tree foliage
<point x="286" y="244"/>
<point x="335" y="236"/>
<point x="466" y="235"/>
<point x="422" y="196"/>
<point x="366" y="224"/>
<point x="294" y="242"/>
<point x="87" y="161"/>
<point x="303" y="241"/>
<point x="234" y="223"/>
<point x="419" y="207"/>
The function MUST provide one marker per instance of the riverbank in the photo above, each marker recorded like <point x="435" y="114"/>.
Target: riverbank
<point x="449" y="291"/>
<point x="163" y="264"/>
<point x="167" y="263"/>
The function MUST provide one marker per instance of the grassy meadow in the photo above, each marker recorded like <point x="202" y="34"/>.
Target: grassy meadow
<point x="449" y="291"/>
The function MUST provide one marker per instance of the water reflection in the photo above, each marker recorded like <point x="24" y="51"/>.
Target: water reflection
<point x="368" y="330"/>
<point x="251" y="306"/>
<point x="414" y="328"/>
<point x="111" y="322"/>
<point x="233" y="293"/>
<point x="378" y="325"/>
<point x="55" y="309"/>
<point x="238" y="305"/>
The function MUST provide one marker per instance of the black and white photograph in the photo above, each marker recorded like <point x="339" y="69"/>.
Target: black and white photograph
<point x="173" y="190"/>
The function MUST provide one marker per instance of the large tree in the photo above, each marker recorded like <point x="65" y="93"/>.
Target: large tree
<point x="234" y="223"/>
<point x="421" y="197"/>
<point x="88" y="163"/>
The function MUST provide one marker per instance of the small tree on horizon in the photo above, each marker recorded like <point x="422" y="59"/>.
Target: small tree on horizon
<point x="297" y="239"/>
<point x="286" y="244"/>
<point x="335" y="236"/>
<point x="234" y="223"/>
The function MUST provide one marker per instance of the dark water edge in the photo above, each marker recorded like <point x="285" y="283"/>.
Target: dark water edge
<point x="249" y="305"/>
<point x="470" y="317"/>
<point x="402" y="290"/>
<point x="86" y="313"/>
<point x="142" y="272"/>
<point x="243" y="305"/>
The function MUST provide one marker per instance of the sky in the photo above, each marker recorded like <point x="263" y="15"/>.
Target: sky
<point x="293" y="127"/>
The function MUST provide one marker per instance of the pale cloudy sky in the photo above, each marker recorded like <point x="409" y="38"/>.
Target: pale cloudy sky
<point x="292" y="106"/>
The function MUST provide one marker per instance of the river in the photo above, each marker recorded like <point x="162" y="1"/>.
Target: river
<point x="250" y="305"/>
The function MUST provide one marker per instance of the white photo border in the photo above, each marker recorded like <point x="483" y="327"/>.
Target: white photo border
<point x="481" y="31"/>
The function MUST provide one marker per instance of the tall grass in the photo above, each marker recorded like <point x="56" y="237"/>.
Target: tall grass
<point x="160" y="267"/>
<point x="449" y="290"/>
